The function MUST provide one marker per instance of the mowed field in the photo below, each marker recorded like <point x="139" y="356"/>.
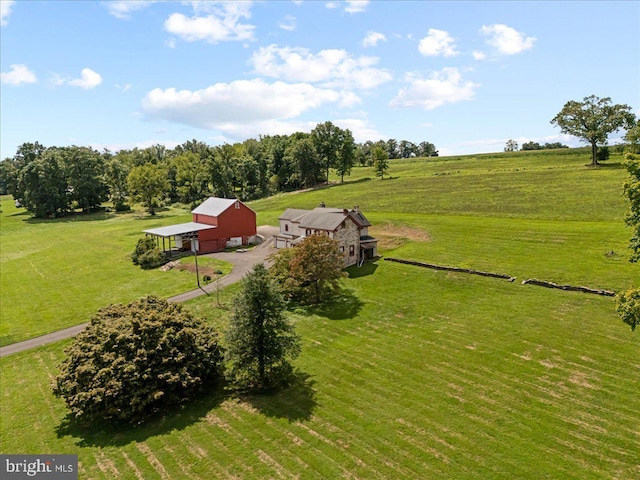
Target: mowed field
<point x="414" y="373"/>
<point x="56" y="273"/>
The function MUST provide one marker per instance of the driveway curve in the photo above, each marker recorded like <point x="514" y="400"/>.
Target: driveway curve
<point x="243" y="262"/>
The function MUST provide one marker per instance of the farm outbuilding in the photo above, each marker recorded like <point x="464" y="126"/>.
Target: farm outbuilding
<point x="217" y="223"/>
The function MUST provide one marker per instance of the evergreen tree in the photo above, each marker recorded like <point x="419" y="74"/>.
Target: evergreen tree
<point x="260" y="340"/>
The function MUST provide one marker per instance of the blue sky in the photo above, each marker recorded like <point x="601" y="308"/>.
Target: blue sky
<point x="466" y="76"/>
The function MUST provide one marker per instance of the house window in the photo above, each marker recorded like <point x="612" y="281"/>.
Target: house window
<point x="286" y="227"/>
<point x="237" y="205"/>
<point x="307" y="232"/>
<point x="352" y="250"/>
<point x="342" y="249"/>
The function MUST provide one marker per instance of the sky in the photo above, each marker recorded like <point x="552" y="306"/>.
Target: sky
<point x="465" y="76"/>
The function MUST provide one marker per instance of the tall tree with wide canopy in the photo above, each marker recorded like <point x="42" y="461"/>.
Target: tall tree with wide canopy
<point x="310" y="272"/>
<point x="85" y="175"/>
<point x="631" y="189"/>
<point x="302" y="153"/>
<point x="148" y="184"/>
<point x="260" y="341"/>
<point x="43" y="183"/>
<point x="592" y="120"/>
<point x="346" y="156"/>
<point x="328" y="139"/>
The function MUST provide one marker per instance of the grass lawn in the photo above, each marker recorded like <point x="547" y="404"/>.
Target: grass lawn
<point x="57" y="273"/>
<point x="414" y="373"/>
<point x="417" y="374"/>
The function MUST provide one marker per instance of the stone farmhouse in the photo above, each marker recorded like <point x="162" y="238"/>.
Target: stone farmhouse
<point x="217" y="223"/>
<point x="349" y="227"/>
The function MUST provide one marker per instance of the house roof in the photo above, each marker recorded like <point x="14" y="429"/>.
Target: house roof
<point x="179" y="229"/>
<point x="214" y="206"/>
<point x="323" y="218"/>
<point x="292" y="213"/>
<point x="360" y="218"/>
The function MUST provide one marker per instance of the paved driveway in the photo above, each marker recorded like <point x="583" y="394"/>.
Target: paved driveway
<point x="242" y="262"/>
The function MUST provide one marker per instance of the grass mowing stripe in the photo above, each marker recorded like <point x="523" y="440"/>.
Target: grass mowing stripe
<point x="157" y="465"/>
<point x="132" y="466"/>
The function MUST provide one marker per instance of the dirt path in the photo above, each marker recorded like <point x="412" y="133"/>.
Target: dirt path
<point x="242" y="262"/>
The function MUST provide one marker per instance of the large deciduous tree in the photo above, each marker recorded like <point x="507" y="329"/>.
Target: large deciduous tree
<point x="260" y="341"/>
<point x="85" y="176"/>
<point x="631" y="189"/>
<point x="346" y="155"/>
<point x="628" y="307"/>
<point x="592" y="120"/>
<point x="303" y="156"/>
<point x="134" y="360"/>
<point x="148" y="184"/>
<point x="309" y="273"/>
<point x="380" y="161"/>
<point x="43" y="186"/>
<point x="328" y="140"/>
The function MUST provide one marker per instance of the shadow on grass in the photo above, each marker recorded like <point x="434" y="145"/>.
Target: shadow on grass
<point x="295" y="403"/>
<point x="115" y="434"/>
<point x="343" y="306"/>
<point x="607" y="165"/>
<point x="367" y="268"/>
<point x="74" y="217"/>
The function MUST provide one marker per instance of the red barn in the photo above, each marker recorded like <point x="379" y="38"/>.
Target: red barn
<point x="217" y="223"/>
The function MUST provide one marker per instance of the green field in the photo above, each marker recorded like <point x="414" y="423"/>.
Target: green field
<point x="57" y="273"/>
<point x="415" y="373"/>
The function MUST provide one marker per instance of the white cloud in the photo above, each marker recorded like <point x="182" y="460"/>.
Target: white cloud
<point x="445" y="86"/>
<point x="360" y="128"/>
<point x="477" y="55"/>
<point x="288" y="23"/>
<point x="122" y="8"/>
<point x="332" y="68"/>
<point x="88" y="79"/>
<point x="18" y="75"/>
<point x="5" y="10"/>
<point x="437" y="42"/>
<point x="373" y="38"/>
<point x="506" y="40"/>
<point x="350" y="6"/>
<point x="243" y="101"/>
<point x="356" y="6"/>
<point x="223" y="22"/>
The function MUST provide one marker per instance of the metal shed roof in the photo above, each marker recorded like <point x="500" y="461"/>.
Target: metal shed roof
<point x="179" y="229"/>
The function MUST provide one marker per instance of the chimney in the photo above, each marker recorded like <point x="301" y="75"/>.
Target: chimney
<point x="345" y="211"/>
<point x="356" y="208"/>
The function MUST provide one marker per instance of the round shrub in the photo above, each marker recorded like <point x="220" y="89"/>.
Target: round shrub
<point x="132" y="361"/>
<point x="144" y="245"/>
<point x="152" y="259"/>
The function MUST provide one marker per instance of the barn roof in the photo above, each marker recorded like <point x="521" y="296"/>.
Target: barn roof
<point x="214" y="206"/>
<point x="179" y="229"/>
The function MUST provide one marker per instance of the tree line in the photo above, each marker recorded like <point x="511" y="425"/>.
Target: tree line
<point x="54" y="181"/>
